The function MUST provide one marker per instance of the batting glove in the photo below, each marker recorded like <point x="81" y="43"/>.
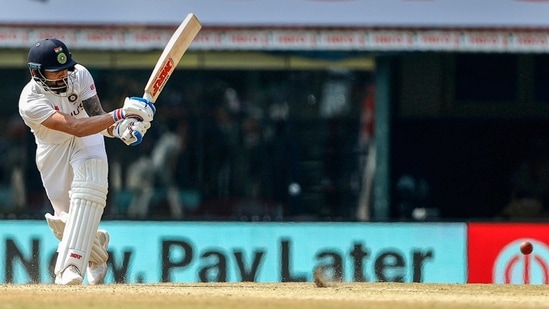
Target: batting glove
<point x="135" y="107"/>
<point x="131" y="131"/>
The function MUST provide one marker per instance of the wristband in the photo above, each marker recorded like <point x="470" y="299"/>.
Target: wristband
<point x="118" y="114"/>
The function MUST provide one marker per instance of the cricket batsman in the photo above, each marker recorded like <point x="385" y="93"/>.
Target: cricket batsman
<point x="61" y="107"/>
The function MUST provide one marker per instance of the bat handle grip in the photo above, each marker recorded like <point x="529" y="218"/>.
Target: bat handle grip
<point x="148" y="97"/>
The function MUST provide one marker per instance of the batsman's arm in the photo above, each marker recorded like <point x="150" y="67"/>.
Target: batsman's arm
<point x="78" y="126"/>
<point x="99" y="121"/>
<point x="93" y="107"/>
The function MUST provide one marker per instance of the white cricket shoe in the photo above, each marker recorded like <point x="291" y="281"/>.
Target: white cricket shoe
<point x="70" y="276"/>
<point x="96" y="272"/>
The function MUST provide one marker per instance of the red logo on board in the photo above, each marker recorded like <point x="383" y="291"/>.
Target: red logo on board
<point x="513" y="267"/>
<point x="493" y="253"/>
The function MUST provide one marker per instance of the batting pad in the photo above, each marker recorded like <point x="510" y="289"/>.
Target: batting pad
<point x="88" y="199"/>
<point x="57" y="225"/>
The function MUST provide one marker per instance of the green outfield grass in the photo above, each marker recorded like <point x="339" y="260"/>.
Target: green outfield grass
<point x="276" y="295"/>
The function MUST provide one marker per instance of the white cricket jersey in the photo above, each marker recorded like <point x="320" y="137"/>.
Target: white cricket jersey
<point x="37" y="105"/>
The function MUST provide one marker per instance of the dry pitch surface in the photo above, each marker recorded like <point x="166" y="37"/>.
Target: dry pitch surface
<point x="275" y="295"/>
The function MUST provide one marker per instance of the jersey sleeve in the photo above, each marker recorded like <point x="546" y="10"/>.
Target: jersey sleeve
<point x="35" y="109"/>
<point x="87" y="83"/>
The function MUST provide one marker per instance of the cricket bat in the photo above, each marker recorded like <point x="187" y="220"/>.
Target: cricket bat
<point x="174" y="50"/>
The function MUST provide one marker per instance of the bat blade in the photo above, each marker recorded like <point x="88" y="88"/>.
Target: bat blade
<point x="172" y="53"/>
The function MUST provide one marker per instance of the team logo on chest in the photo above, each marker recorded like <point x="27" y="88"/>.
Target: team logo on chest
<point x="73" y="97"/>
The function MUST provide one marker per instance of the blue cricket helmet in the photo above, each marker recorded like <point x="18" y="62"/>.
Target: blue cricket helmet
<point x="50" y="55"/>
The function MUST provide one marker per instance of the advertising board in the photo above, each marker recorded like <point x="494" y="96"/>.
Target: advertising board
<point x="151" y="252"/>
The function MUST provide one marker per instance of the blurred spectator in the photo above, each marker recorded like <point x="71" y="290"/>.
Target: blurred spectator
<point x="283" y="183"/>
<point x="334" y="171"/>
<point x="252" y="156"/>
<point x="14" y="161"/>
<point x="413" y="198"/>
<point x="153" y="177"/>
<point x="140" y="182"/>
<point x="530" y="184"/>
<point x="219" y="146"/>
<point x="165" y="157"/>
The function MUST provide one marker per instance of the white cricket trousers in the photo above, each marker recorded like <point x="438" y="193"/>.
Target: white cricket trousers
<point x="56" y="164"/>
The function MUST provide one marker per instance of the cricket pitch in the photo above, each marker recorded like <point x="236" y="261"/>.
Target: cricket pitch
<point x="275" y="295"/>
